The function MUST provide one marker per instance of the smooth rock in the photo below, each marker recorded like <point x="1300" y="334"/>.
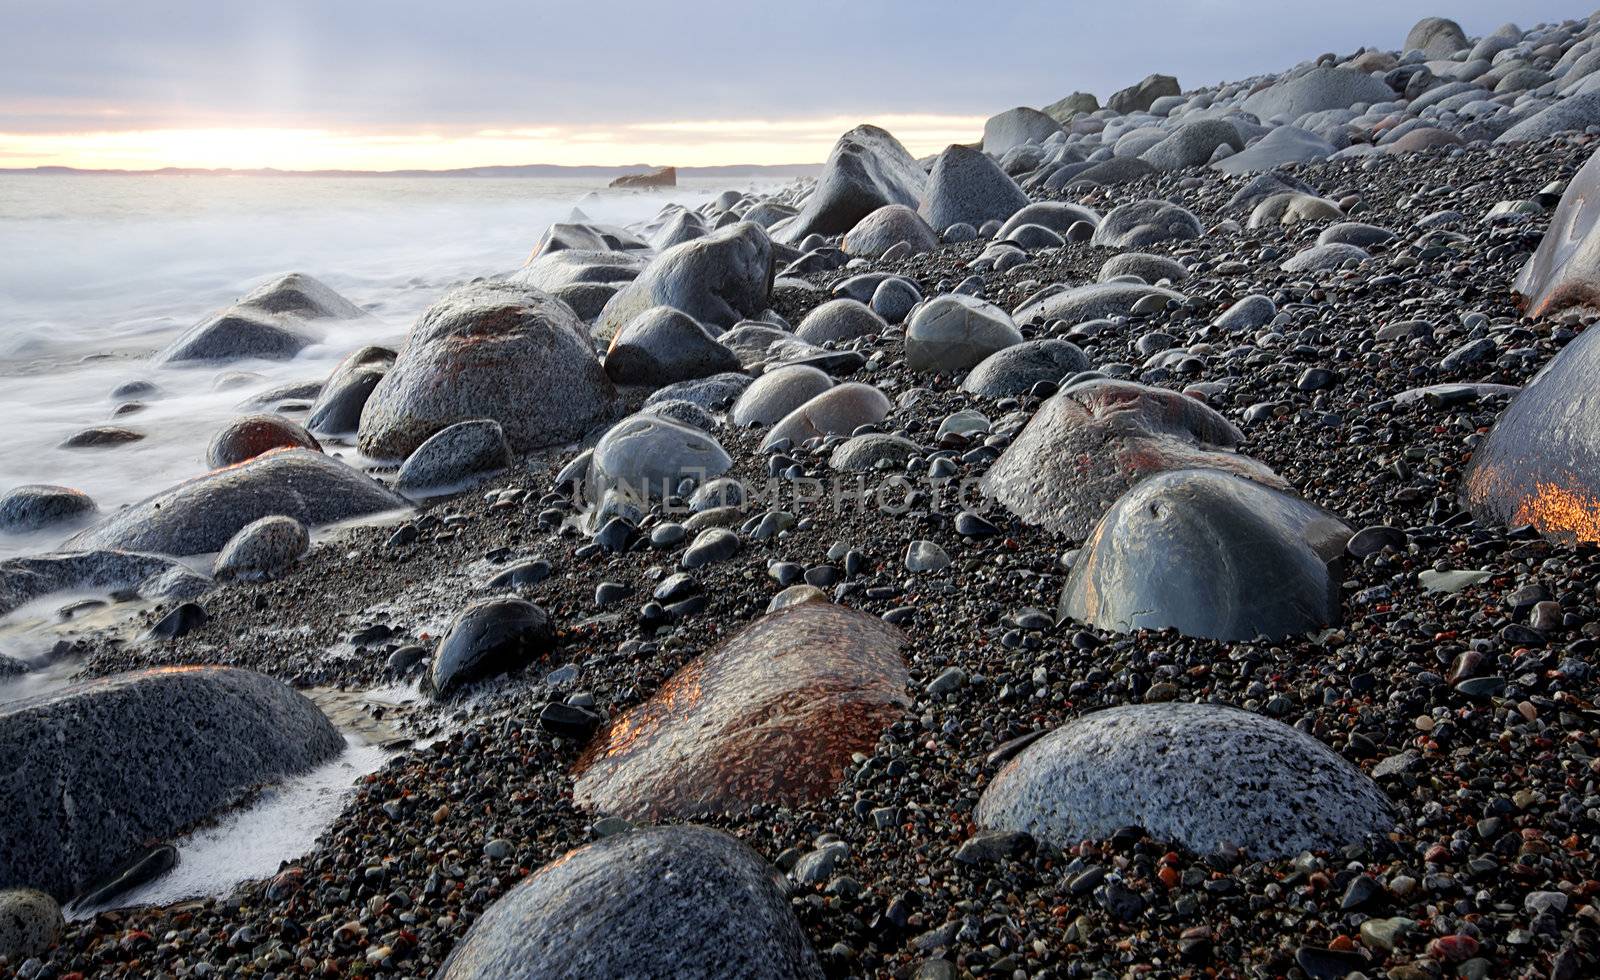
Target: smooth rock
<point x="249" y="436"/>
<point x="955" y="332"/>
<point x="489" y="637"/>
<point x="455" y="458"/>
<point x="262" y="549"/>
<point x="662" y="346"/>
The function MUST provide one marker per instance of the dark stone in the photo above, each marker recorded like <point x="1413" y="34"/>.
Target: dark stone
<point x="249" y="436"/>
<point x="867" y="169"/>
<point x="490" y="637"/>
<point x="180" y="622"/>
<point x="275" y="322"/>
<point x="37" y="506"/>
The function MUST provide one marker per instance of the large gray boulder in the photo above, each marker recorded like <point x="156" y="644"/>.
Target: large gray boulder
<point x="1016" y="127"/>
<point x="586" y="237"/>
<point x="664" y="345"/>
<point x="100" y="768"/>
<point x="1436" y="37"/>
<point x="867" y="169"/>
<point x="719" y="279"/>
<point x="1202" y="776"/>
<point x="200" y="515"/>
<point x="883" y="229"/>
<point x="1564" y="271"/>
<point x="1087" y="445"/>
<point x="683" y="901"/>
<point x="967" y="187"/>
<point x="1140" y="224"/>
<point x="36" y="506"/>
<point x="274" y="322"/>
<point x="777" y="393"/>
<point x="1078" y="103"/>
<point x="1150" y="268"/>
<point x="1058" y="216"/>
<point x="1193" y="144"/>
<point x="1284" y="145"/>
<point x="955" y="332"/>
<point x="455" y="458"/>
<point x="840" y="321"/>
<point x="488" y="638"/>
<point x="1091" y="302"/>
<point x="1575" y="113"/>
<point x="1209" y="554"/>
<point x="837" y="411"/>
<point x="1014" y="370"/>
<point x="490" y="350"/>
<point x="645" y="456"/>
<point x="29" y="577"/>
<point x="1315" y="90"/>
<point x="1141" y="96"/>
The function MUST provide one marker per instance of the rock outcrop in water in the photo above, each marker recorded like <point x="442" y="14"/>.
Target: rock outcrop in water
<point x="273" y="322"/>
<point x="660" y="177"/>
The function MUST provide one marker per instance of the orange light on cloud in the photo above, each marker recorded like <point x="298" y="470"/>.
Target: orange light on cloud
<point x="684" y="143"/>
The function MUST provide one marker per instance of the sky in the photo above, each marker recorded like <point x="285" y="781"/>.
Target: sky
<point x="401" y="84"/>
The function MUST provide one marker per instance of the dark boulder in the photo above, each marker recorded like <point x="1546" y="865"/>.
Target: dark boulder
<point x="488" y="638"/>
<point x="273" y="322"/>
<point x="867" y="169"/>
<point x="718" y="279"/>
<point x="249" y="436"/>
<point x="664" y="345"/>
<point x="37" y="506"/>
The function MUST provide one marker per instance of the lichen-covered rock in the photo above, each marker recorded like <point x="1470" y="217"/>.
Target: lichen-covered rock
<point x="36" y="506"/>
<point x="490" y="350"/>
<point x="771" y="717"/>
<point x="1091" y="442"/>
<point x="1199" y="775"/>
<point x="685" y="902"/>
<point x="867" y="169"/>
<point x="1209" y="554"/>
<point x="275" y="322"/>
<point x="100" y="767"/>
<point x="200" y="515"/>
<point x="262" y="549"/>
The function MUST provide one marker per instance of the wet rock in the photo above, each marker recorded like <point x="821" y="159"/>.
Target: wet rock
<point x="1140" y="224"/>
<point x="102" y="766"/>
<point x="837" y="411"/>
<point x="338" y="405"/>
<point x="30" y="923"/>
<point x="718" y="280"/>
<point x="490" y="637"/>
<point x="777" y="393"/>
<point x="180" y="622"/>
<point x="101" y="436"/>
<point x="966" y="187"/>
<point x="200" y="515"/>
<point x="1091" y="442"/>
<point x="883" y="229"/>
<point x="262" y="549"/>
<point x="141" y="870"/>
<point x="37" y="506"/>
<point x="667" y="901"/>
<point x="867" y="169"/>
<point x="772" y="716"/>
<point x="274" y="322"/>
<point x="955" y="332"/>
<point x="249" y="436"/>
<point x="1015" y="370"/>
<point x="713" y="545"/>
<point x="662" y="346"/>
<point x="644" y="457"/>
<point x="585" y="281"/>
<point x="1209" y="554"/>
<point x="454" y="458"/>
<point x="1266" y="787"/>
<point x="490" y="350"/>
<point x="839" y="321"/>
<point x="30" y="577"/>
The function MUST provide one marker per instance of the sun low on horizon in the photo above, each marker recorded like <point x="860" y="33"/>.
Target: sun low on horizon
<point x="683" y="143"/>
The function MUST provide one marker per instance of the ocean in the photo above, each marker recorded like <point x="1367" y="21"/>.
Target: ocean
<point x="102" y="271"/>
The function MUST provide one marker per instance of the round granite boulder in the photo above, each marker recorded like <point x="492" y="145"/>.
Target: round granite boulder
<point x="1193" y="144"/>
<point x="1317" y="89"/>
<point x="455" y="458"/>
<point x="1058" y="216"/>
<point x="1292" y="208"/>
<point x="1321" y="258"/>
<point x="200" y="515"/>
<point x="1202" y="776"/>
<point x="100" y="767"/>
<point x="1088" y="444"/>
<point x="261" y="550"/>
<point x="686" y="902"/>
<point x="837" y="411"/>
<point x="490" y="350"/>
<point x="840" y="321"/>
<point x="777" y="393"/>
<point x="1209" y="554"/>
<point x="883" y="229"/>
<point x="1015" y="370"/>
<point x="1436" y="37"/>
<point x="1092" y="302"/>
<point x="1354" y="233"/>
<point x="966" y="187"/>
<point x="30" y="923"/>
<point x="1017" y="127"/>
<point x="489" y="637"/>
<point x="645" y="456"/>
<point x="955" y="332"/>
<point x="664" y="345"/>
<point x="249" y="436"/>
<point x="770" y="717"/>
<point x="1139" y="224"/>
<point x="37" y="506"/>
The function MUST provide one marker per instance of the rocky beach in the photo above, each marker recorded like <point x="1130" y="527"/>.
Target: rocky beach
<point x="1157" y="539"/>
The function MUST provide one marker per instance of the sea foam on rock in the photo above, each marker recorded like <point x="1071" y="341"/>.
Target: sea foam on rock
<point x="101" y="767"/>
<point x="684" y="901"/>
<point x="1199" y="775"/>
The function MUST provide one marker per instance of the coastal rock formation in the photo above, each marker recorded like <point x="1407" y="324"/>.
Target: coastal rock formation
<point x="337" y="410"/>
<point x="660" y="177"/>
<point x="867" y="169"/>
<point x="30" y="577"/>
<point x="102" y="766"/>
<point x="274" y="322"/>
<point x="772" y="716"/>
<point x="1266" y="787"/>
<point x="719" y="279"/>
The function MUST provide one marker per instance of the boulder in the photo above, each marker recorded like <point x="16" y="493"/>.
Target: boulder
<point x="1319" y="258"/>
<point x="1087" y="445"/>
<point x="718" y="279"/>
<point x="274" y="322"/>
<point x="100" y="767"/>
<point x="30" y="577"/>
<point x="1540" y="464"/>
<point x="1016" y="127"/>
<point x="872" y="451"/>
<point x="35" y="506"/>
<point x="1354" y="233"/>
<point x="1284" y="145"/>
<point x="490" y="350"/>
<point x="586" y="237"/>
<point x="1078" y="103"/>
<point x="883" y="229"/>
<point x="1201" y="776"/>
<point x="455" y="458"/>
<point x="552" y="272"/>
<point x="1316" y="90"/>
<point x="1576" y="112"/>
<point x="1292" y="207"/>
<point x="262" y="550"/>
<point x="837" y="411"/>
<point x="685" y="902"/>
<point x="769" y="718"/>
<point x="249" y="436"/>
<point x="1140" y="224"/>
<point x="1091" y="302"/>
<point x="1150" y="268"/>
<point x="644" y="457"/>
<point x="1193" y="144"/>
<point x="1564" y="271"/>
<point x="955" y="332"/>
<point x="1058" y="216"/>
<point x="839" y="321"/>
<point x="965" y="186"/>
<point x="1209" y="554"/>
<point x="489" y="637"/>
<point x="712" y="394"/>
<point x="777" y="393"/>
<point x="867" y="169"/>
<point x="200" y="515"/>
<point x="338" y="405"/>
<point x="1436" y="37"/>
<point x="662" y="346"/>
<point x="1139" y="97"/>
<point x="1015" y="370"/>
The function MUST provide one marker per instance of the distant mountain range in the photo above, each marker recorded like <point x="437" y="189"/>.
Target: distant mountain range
<point x="525" y="170"/>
